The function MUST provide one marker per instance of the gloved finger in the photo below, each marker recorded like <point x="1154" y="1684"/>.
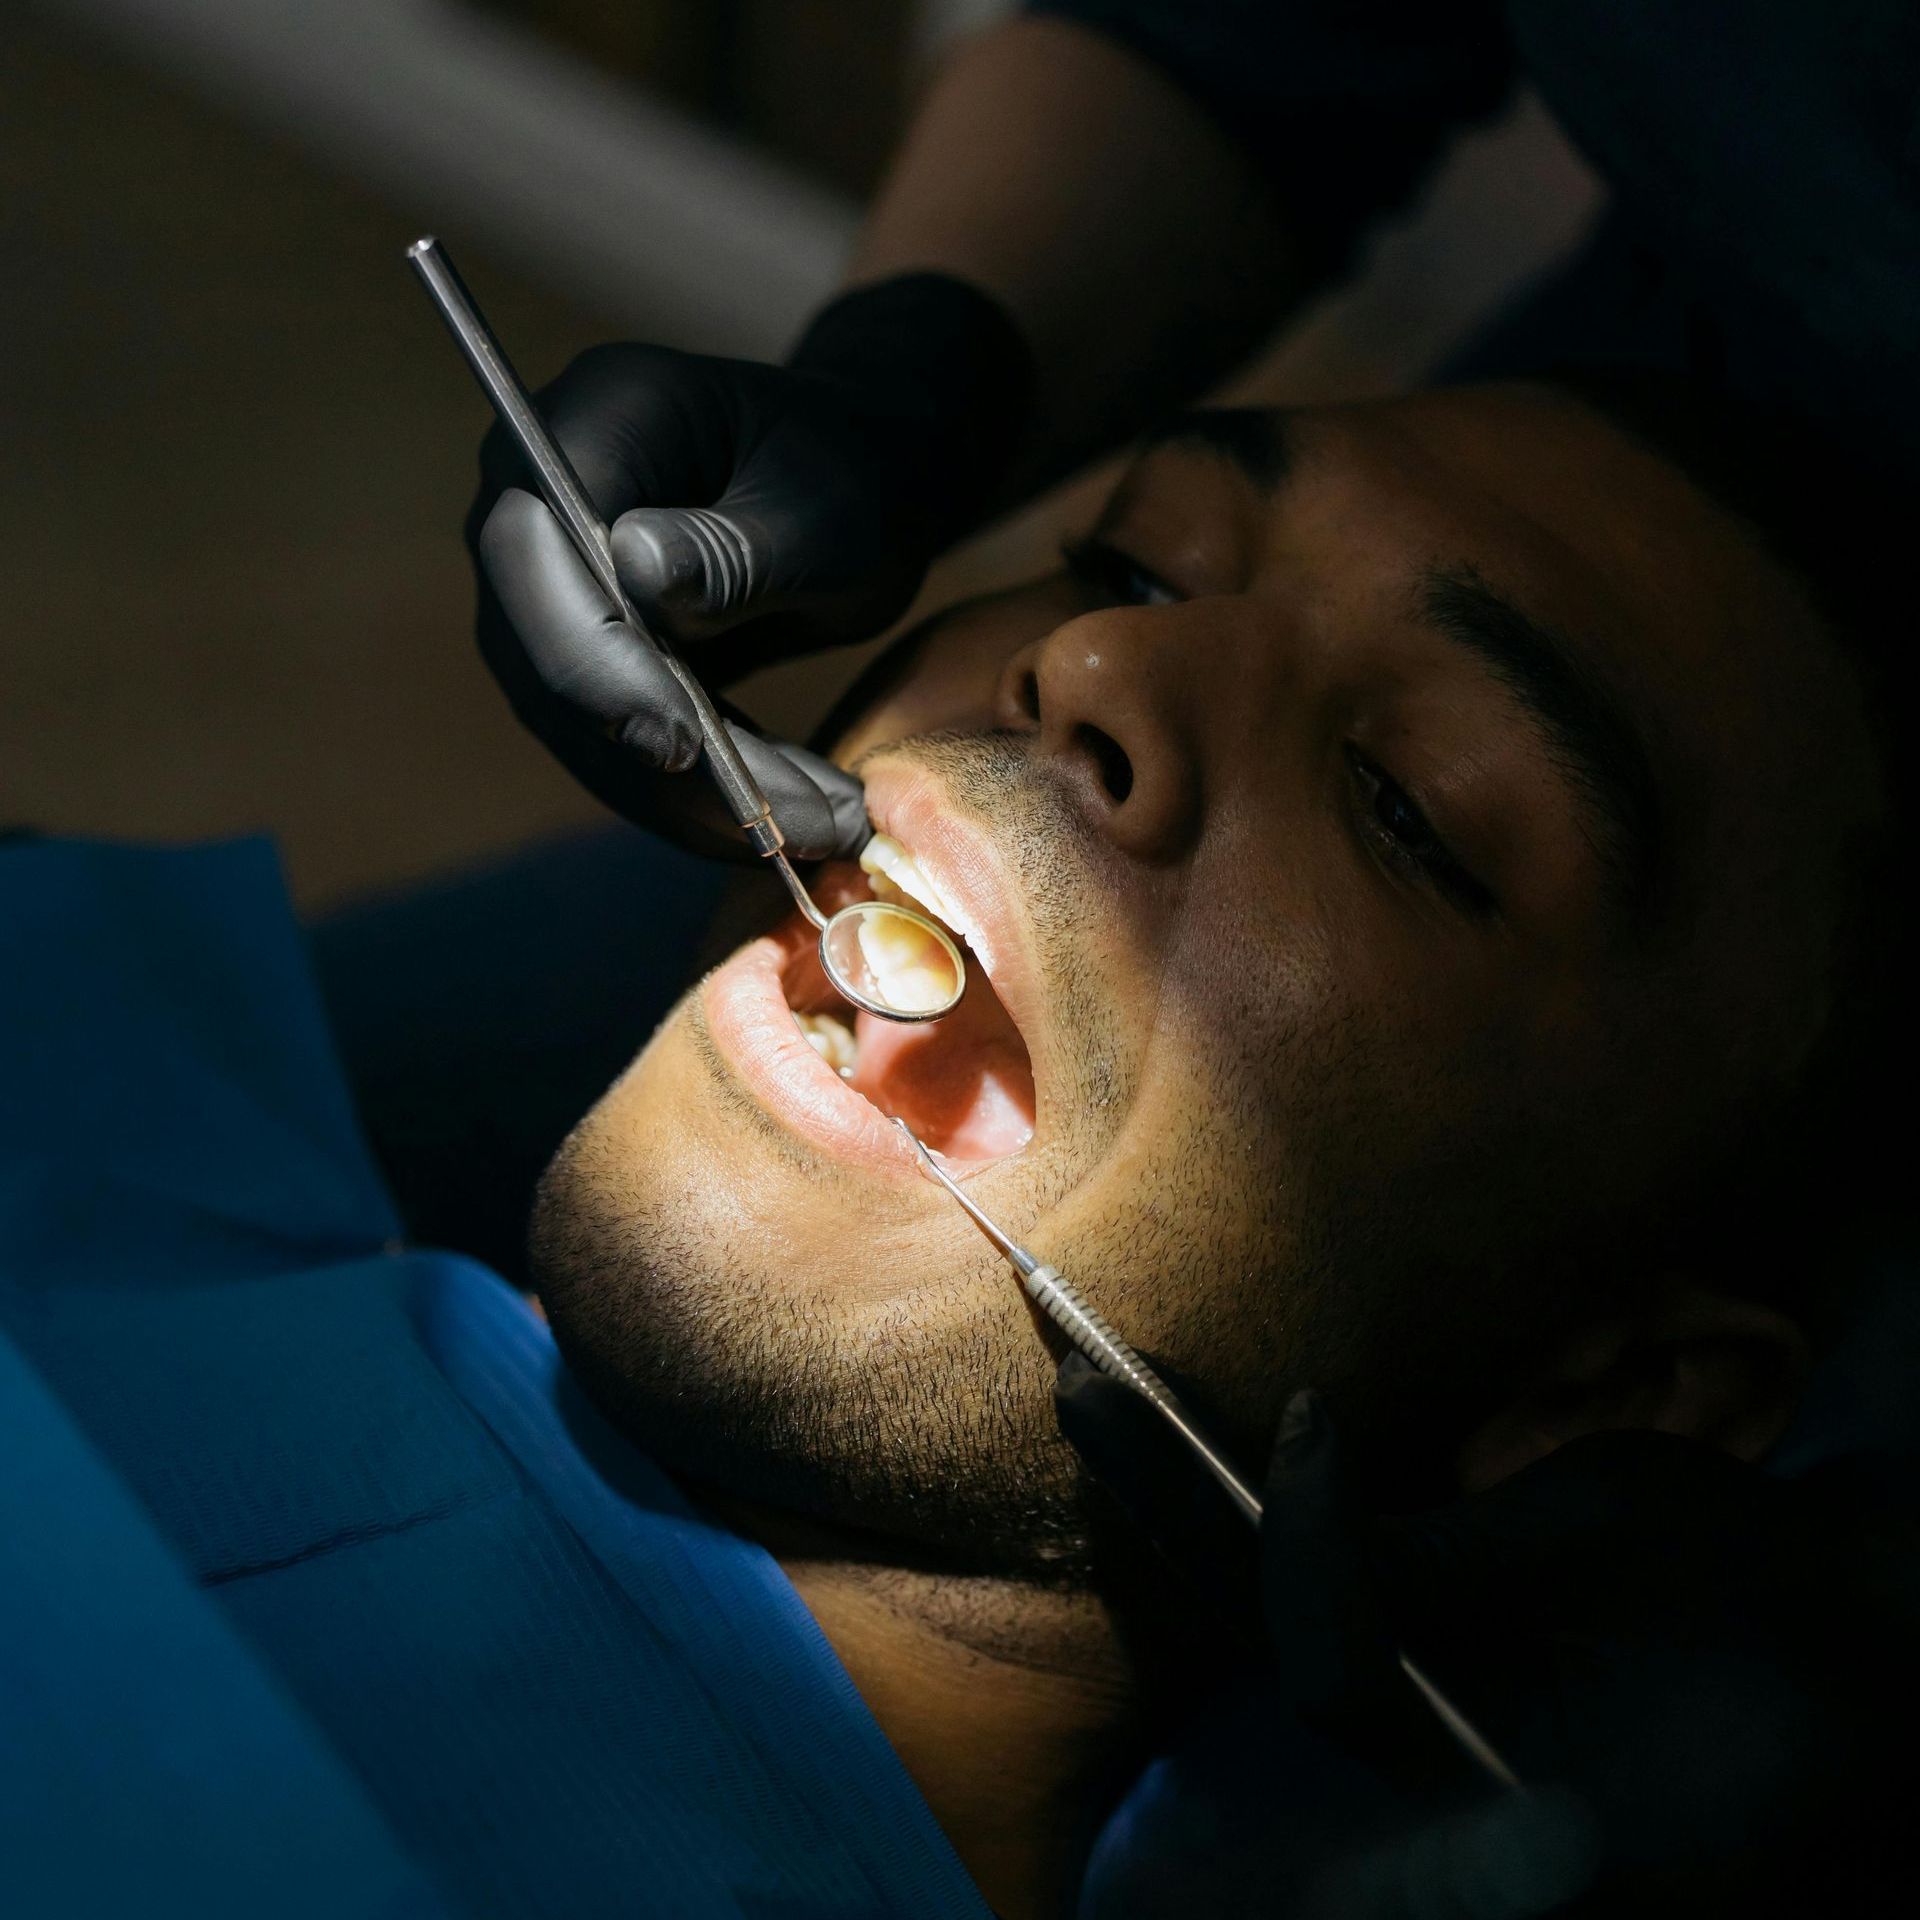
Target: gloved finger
<point x="820" y="808"/>
<point x="688" y="811"/>
<point x="779" y="582"/>
<point x="848" y="829"/>
<point x="783" y="577"/>
<point x="655" y="438"/>
<point x="613" y="712"/>
<point x="1608" y="1524"/>
<point x="638" y="424"/>
<point x="1136" y="1455"/>
<point x="1517" y="1857"/>
<point x="696" y="570"/>
<point x="1327" y="1632"/>
<point x="581" y="651"/>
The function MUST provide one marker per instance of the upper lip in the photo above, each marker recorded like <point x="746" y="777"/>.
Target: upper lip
<point x="908" y="803"/>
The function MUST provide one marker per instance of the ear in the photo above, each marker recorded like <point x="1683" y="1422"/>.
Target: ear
<point x="1708" y="1366"/>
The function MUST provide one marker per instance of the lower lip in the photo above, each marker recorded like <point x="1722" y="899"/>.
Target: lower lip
<point x="753" y="1027"/>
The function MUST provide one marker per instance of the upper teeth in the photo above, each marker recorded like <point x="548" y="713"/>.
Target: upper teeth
<point x="913" y="971"/>
<point x="895" y="871"/>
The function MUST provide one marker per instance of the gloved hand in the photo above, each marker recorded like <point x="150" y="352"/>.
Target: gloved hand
<point x="756" y="511"/>
<point x="1694" y="1668"/>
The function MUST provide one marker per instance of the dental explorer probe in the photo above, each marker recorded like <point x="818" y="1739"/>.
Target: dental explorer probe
<point x="1066" y="1306"/>
<point x="844" y="954"/>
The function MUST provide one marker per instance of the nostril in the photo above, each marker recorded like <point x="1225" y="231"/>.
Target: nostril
<point x="1026" y="696"/>
<point x="1110" y="760"/>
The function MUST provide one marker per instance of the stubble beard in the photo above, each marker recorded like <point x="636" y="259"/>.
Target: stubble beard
<point x="927" y="1417"/>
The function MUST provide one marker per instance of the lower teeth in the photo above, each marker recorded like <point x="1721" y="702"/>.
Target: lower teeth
<point x="832" y="1040"/>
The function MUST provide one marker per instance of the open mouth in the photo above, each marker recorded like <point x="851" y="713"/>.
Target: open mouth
<point x="964" y="1083"/>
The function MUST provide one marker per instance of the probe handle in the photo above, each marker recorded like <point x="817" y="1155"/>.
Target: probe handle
<point x="1066" y="1306"/>
<point x="571" y="505"/>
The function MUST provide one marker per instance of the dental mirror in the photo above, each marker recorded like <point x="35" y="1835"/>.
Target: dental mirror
<point x="891" y="960"/>
<point x="886" y="959"/>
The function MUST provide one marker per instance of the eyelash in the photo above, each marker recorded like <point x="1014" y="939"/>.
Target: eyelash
<point x="1103" y="570"/>
<point x="1405" y="835"/>
<point x="1109" y="574"/>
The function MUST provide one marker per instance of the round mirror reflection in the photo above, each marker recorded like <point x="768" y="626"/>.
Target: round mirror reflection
<point x="892" y="961"/>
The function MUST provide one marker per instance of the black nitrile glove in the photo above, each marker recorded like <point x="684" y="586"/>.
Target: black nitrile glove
<point x="1695" y="1668"/>
<point x="756" y="512"/>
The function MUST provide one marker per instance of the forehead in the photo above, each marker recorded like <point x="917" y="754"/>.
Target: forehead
<point x="1664" y="598"/>
<point x="1592" y="533"/>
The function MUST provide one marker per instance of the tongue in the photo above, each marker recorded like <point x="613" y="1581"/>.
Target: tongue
<point x="963" y="1084"/>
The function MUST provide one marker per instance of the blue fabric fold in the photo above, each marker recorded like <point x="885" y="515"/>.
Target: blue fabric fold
<point x="162" y="1034"/>
<point x="322" y="1550"/>
<point x="150" y="1764"/>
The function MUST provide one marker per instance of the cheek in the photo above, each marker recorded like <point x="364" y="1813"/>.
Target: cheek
<point x="943" y="677"/>
<point x="670" y="1177"/>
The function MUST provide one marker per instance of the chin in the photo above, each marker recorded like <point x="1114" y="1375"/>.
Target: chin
<point x="739" y="1299"/>
<point x="747" y="1267"/>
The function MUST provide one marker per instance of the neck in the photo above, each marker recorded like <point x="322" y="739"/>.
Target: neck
<point x="1007" y="1704"/>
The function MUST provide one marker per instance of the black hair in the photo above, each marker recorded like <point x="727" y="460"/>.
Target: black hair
<point x="1818" y="1182"/>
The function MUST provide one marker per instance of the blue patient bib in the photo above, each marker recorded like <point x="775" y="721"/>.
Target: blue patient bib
<point x="321" y="1589"/>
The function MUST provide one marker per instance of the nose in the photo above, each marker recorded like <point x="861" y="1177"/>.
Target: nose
<point x="1112" y="696"/>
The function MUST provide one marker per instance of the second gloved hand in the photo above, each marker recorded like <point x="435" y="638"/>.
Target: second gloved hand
<point x="755" y="511"/>
<point x="1698" y="1670"/>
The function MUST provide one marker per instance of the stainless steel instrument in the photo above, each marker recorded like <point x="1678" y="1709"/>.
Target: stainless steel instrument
<point x="1066" y="1306"/>
<point x="852" y="941"/>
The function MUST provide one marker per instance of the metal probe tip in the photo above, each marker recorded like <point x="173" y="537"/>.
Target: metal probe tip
<point x="1020" y="1257"/>
<point x="1098" y="1341"/>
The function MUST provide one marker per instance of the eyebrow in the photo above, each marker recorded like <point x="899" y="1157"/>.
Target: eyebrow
<point x="1253" y="439"/>
<point x="1591" y="735"/>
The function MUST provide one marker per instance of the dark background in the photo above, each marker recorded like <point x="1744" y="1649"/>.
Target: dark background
<point x="238" y="448"/>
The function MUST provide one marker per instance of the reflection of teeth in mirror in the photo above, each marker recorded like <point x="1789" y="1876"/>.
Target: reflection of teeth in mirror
<point x="832" y="1040"/>
<point x="909" y="966"/>
<point x="897" y="875"/>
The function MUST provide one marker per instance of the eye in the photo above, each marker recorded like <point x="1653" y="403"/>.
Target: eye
<point x="1405" y="835"/>
<point x="1115" y="578"/>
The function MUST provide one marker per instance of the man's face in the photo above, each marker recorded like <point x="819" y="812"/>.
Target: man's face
<point x="1390" y="851"/>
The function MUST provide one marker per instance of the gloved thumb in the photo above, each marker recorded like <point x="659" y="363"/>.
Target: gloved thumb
<point x="1127" y="1446"/>
<point x="791" y="555"/>
<point x="1519" y="1856"/>
<point x="694" y="570"/>
<point x="1324" y="1623"/>
<point x="1611" y="1525"/>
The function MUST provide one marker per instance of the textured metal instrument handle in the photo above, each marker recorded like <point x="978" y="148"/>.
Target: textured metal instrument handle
<point x="1066" y="1306"/>
<point x="572" y="506"/>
